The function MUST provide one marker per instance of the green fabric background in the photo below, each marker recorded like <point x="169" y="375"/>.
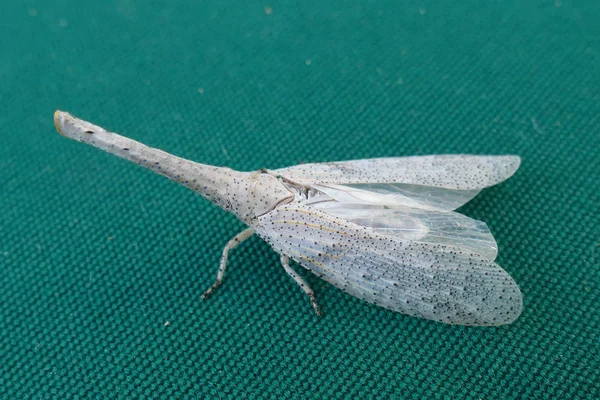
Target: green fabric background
<point x="103" y="263"/>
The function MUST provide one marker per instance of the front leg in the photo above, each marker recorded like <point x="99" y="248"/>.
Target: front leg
<point x="239" y="238"/>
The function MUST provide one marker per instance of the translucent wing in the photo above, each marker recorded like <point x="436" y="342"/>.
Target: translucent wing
<point x="433" y="227"/>
<point x="462" y="172"/>
<point x="398" y="194"/>
<point x="437" y="282"/>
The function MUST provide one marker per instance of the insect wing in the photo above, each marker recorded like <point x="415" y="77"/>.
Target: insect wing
<point x="398" y="194"/>
<point x="425" y="226"/>
<point x="436" y="282"/>
<point x="463" y="172"/>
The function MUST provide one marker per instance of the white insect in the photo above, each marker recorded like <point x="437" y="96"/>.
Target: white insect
<point x="382" y="229"/>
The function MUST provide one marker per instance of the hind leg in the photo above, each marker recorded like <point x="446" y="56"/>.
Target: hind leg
<point x="285" y="262"/>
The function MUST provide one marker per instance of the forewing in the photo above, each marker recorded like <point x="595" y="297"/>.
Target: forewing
<point x="436" y="282"/>
<point x="463" y="172"/>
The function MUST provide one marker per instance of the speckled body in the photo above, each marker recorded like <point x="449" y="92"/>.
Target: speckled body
<point x="383" y="230"/>
<point x="246" y="194"/>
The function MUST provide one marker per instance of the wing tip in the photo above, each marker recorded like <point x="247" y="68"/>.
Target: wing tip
<point x="512" y="165"/>
<point x="505" y="167"/>
<point x="511" y="310"/>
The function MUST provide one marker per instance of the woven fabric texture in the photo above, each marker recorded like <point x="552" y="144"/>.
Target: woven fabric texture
<point x="103" y="263"/>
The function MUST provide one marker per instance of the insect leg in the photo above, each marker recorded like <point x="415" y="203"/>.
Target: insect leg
<point x="285" y="261"/>
<point x="239" y="238"/>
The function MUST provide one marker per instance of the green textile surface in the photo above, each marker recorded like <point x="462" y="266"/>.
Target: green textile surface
<point x="103" y="263"/>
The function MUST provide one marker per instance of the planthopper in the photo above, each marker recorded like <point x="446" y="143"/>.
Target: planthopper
<point x="383" y="229"/>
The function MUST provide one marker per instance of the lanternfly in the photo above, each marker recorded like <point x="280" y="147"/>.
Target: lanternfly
<point x="383" y="230"/>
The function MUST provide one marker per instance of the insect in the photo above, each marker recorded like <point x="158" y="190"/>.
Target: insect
<point x="383" y="230"/>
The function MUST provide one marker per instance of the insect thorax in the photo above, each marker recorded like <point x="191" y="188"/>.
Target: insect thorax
<point x="255" y="194"/>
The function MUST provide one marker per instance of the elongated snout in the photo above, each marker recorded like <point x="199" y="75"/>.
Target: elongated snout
<point x="74" y="128"/>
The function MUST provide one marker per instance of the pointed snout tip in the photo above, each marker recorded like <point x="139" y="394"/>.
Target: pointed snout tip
<point x="59" y="117"/>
